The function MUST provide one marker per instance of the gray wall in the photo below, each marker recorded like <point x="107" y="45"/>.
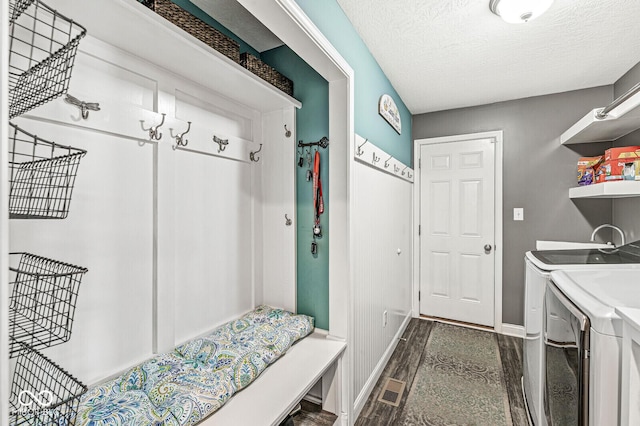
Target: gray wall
<point x="538" y="173"/>
<point x="626" y="212"/>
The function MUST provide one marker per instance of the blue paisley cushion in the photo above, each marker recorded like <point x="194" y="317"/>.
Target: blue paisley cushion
<point x="185" y="386"/>
<point x="106" y="405"/>
<point x="192" y="396"/>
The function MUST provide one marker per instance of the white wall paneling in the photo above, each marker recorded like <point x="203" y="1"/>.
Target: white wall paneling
<point x="109" y="230"/>
<point x="278" y="204"/>
<point x="382" y="257"/>
<point x="172" y="236"/>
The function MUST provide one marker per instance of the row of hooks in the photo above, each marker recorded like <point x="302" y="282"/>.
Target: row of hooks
<point x="376" y="159"/>
<point x="180" y="141"/>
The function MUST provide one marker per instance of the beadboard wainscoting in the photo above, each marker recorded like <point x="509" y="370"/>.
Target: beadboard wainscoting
<point x="382" y="274"/>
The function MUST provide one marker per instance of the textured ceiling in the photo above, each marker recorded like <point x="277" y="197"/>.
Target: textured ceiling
<point x="444" y="54"/>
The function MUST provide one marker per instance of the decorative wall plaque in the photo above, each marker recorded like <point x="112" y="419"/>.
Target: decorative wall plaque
<point x="389" y="111"/>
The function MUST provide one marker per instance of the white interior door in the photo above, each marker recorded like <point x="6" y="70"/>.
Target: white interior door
<point x="457" y="230"/>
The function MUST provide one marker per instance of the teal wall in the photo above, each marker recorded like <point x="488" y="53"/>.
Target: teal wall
<point x="370" y="81"/>
<point x="312" y="123"/>
<point x="197" y="12"/>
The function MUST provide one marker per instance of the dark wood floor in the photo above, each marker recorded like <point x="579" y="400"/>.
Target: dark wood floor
<point x="405" y="361"/>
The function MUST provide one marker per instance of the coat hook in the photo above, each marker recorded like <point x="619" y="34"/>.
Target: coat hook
<point x="410" y="175"/>
<point x="222" y="143"/>
<point x="404" y="170"/>
<point x="179" y="137"/>
<point x="359" y="152"/>
<point x="287" y="132"/>
<point x="85" y="107"/>
<point x="386" y="163"/>
<point x="153" y="131"/>
<point x="287" y="220"/>
<point x="252" y="155"/>
<point x="375" y="158"/>
<point x="396" y="169"/>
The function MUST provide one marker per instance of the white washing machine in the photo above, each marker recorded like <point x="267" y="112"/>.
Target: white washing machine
<point x="583" y="356"/>
<point x="539" y="265"/>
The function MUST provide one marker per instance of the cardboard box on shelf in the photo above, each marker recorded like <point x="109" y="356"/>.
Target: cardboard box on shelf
<point x="622" y="152"/>
<point x="619" y="169"/>
<point x="587" y="167"/>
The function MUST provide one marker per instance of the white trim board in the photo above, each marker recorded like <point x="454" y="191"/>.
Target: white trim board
<point x="498" y="242"/>
<point x="513" y="330"/>
<point x="371" y="155"/>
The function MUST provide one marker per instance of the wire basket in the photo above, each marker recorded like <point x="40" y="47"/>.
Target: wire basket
<point x="41" y="176"/>
<point x="42" y="393"/>
<point x="42" y="302"/>
<point x="42" y="49"/>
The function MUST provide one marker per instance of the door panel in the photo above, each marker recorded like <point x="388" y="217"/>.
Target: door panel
<point x="457" y="213"/>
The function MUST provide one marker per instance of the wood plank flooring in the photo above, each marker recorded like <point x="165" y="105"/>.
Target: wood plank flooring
<point x="404" y="363"/>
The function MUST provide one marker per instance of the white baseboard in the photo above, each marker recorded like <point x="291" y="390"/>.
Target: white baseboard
<point x="513" y="330"/>
<point x="377" y="372"/>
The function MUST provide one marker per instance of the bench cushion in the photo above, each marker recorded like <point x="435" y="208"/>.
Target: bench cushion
<point x="185" y="386"/>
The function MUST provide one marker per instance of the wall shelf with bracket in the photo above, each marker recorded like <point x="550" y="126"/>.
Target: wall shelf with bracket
<point x="612" y="122"/>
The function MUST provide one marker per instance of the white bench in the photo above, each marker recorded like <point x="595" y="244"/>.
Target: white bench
<point x="272" y="396"/>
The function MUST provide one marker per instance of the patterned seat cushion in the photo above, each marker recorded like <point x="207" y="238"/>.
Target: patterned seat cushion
<point x="107" y="405"/>
<point x="187" y="385"/>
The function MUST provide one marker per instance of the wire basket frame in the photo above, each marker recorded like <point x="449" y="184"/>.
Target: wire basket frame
<point x="42" y="393"/>
<point x="42" y="48"/>
<point x="41" y="176"/>
<point x="42" y="302"/>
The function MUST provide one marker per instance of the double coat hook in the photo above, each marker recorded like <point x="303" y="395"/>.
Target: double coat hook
<point x="222" y="143"/>
<point x="154" y="134"/>
<point x="252" y="155"/>
<point x="180" y="141"/>
<point x="359" y="152"/>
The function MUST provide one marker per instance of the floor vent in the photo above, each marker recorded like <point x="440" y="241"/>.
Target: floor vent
<point x="392" y="392"/>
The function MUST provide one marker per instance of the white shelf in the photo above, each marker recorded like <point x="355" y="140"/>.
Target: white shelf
<point x="134" y="28"/>
<point x="619" y="189"/>
<point x="590" y="128"/>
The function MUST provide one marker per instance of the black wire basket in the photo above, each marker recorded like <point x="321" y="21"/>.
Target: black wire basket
<point x="41" y="176"/>
<point x="42" y="393"/>
<point x="42" y="302"/>
<point x="42" y="49"/>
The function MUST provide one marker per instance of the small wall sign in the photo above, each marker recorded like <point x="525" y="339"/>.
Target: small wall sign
<point x="389" y="111"/>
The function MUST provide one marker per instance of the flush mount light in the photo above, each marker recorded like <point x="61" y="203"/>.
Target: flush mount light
<point x="519" y="11"/>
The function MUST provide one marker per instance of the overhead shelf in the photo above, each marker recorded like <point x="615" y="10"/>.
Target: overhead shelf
<point x="618" y="119"/>
<point x="134" y="28"/>
<point x="619" y="189"/>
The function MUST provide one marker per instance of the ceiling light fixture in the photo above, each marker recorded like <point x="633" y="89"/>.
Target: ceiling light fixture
<point x="519" y="11"/>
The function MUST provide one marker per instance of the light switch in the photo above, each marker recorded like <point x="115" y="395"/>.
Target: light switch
<point x="518" y="213"/>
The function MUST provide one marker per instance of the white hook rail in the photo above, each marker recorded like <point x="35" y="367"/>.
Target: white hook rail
<point x="366" y="152"/>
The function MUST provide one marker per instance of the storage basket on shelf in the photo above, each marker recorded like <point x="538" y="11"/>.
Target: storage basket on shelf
<point x="266" y="72"/>
<point x="42" y="302"/>
<point x="42" y="393"/>
<point x="196" y="27"/>
<point x="41" y="176"/>
<point x="42" y="49"/>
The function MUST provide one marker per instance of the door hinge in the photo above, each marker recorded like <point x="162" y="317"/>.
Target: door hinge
<point x="419" y="163"/>
<point x="419" y="296"/>
<point x="419" y="230"/>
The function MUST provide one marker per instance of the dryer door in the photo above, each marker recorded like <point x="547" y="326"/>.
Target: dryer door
<point x="566" y="339"/>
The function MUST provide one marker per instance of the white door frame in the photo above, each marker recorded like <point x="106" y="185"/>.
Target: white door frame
<point x="417" y="143"/>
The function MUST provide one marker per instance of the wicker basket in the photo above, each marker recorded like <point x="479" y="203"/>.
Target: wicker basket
<point x="266" y="72"/>
<point x="196" y="27"/>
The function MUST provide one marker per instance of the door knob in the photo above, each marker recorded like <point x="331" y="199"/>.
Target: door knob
<point x="487" y="248"/>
